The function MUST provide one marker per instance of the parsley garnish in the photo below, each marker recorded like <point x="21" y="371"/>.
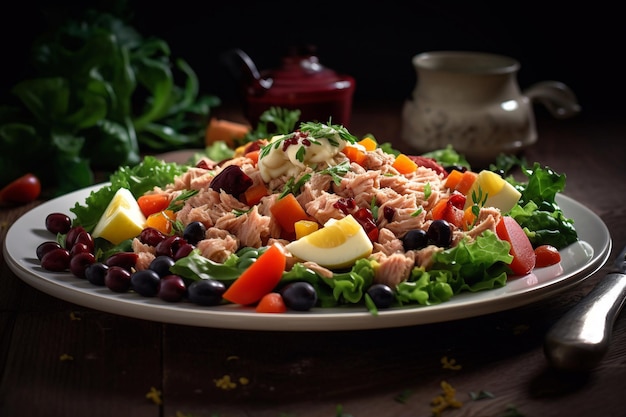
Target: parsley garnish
<point x="337" y="171"/>
<point x="293" y="187"/>
<point x="320" y="130"/>
<point x="178" y="203"/>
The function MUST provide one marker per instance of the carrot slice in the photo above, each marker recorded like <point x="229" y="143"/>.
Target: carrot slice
<point x="225" y="131"/>
<point x="271" y="303"/>
<point x="354" y="154"/>
<point x="287" y="211"/>
<point x="453" y="179"/>
<point x="368" y="143"/>
<point x="162" y="221"/>
<point x="259" y="279"/>
<point x="466" y="182"/>
<point x="253" y="155"/>
<point x="254" y="194"/>
<point x="404" y="165"/>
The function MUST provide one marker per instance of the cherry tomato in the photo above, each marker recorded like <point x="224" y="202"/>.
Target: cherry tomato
<point x="23" y="190"/>
<point x="546" y="255"/>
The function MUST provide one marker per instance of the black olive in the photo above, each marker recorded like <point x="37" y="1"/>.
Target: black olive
<point x="382" y="295"/>
<point x="299" y="296"/>
<point x="440" y="233"/>
<point x="194" y="232"/>
<point x="414" y="240"/>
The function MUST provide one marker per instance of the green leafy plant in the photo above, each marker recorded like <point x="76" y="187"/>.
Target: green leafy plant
<point x="101" y="94"/>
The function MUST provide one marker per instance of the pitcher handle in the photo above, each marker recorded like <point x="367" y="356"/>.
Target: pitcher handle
<point x="558" y="98"/>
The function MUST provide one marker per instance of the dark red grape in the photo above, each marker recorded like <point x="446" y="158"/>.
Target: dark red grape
<point x="56" y="260"/>
<point x="71" y="236"/>
<point x="80" y="262"/>
<point x="170" y="246"/>
<point x="46" y="247"/>
<point x="117" y="279"/>
<point x="183" y="251"/>
<point x="58" y="223"/>
<point x="126" y="260"/>
<point x="79" y="248"/>
<point x="151" y="236"/>
<point x="172" y="288"/>
<point x="86" y="239"/>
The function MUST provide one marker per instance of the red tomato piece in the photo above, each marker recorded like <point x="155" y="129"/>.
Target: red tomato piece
<point x="259" y="279"/>
<point x="23" y="190"/>
<point x="428" y="163"/>
<point x="546" y="255"/>
<point x="271" y="303"/>
<point x="153" y="203"/>
<point x="521" y="249"/>
<point x="450" y="210"/>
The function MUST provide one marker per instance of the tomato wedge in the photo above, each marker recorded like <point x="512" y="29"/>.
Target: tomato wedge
<point x="153" y="203"/>
<point x="521" y="249"/>
<point x="271" y="303"/>
<point x="259" y="279"/>
<point x="547" y="255"/>
<point x="24" y="189"/>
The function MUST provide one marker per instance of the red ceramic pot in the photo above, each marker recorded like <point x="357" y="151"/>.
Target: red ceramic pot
<point x="301" y="83"/>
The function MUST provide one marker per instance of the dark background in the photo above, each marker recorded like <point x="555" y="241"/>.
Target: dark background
<point x="581" y="45"/>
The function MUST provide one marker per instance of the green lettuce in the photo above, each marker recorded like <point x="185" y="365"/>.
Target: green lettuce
<point x="139" y="179"/>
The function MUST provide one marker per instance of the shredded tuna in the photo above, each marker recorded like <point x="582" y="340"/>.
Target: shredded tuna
<point x="403" y="203"/>
<point x="145" y="253"/>
<point x="394" y="268"/>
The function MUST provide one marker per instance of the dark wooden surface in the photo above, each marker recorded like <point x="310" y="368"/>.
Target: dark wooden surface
<point x="115" y="361"/>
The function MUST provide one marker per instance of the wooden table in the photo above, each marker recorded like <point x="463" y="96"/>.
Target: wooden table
<point x="66" y="360"/>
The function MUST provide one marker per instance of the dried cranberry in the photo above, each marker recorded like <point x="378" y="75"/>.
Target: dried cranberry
<point x="389" y="212"/>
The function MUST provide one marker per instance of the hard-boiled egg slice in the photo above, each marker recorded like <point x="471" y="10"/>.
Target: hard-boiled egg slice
<point x="121" y="220"/>
<point x="500" y="193"/>
<point x="339" y="244"/>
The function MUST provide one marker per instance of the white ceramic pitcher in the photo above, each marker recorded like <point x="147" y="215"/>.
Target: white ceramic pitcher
<point x="472" y="101"/>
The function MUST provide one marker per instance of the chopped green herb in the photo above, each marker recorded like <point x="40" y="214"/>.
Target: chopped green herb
<point x="374" y="208"/>
<point x="293" y="187"/>
<point x="178" y="203"/>
<point x="300" y="154"/>
<point x="427" y="190"/>
<point x="337" y="171"/>
<point x="481" y="395"/>
<point x="320" y="130"/>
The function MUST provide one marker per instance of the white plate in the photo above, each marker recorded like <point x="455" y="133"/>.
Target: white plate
<point x="578" y="261"/>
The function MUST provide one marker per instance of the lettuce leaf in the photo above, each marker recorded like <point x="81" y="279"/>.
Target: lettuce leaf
<point x="146" y="175"/>
<point x="475" y="266"/>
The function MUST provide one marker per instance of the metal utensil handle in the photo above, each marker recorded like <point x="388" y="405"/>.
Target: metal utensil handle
<point x="580" y="339"/>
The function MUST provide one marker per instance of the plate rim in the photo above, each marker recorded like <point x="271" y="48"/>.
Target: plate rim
<point x="79" y="291"/>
